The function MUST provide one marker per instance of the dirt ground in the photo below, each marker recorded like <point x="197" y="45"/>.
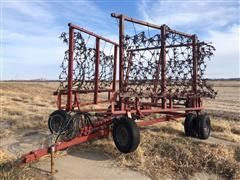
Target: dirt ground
<point x="164" y="151"/>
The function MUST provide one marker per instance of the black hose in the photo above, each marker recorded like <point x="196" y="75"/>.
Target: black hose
<point x="68" y="131"/>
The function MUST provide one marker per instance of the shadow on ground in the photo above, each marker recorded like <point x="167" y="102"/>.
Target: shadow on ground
<point x="93" y="155"/>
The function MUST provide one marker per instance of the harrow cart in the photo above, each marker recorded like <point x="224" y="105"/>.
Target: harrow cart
<point x="106" y="87"/>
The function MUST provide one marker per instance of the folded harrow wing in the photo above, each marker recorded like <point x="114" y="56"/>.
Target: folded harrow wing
<point x="108" y="87"/>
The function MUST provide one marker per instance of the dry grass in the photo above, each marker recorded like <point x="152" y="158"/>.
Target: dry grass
<point x="25" y="105"/>
<point x="228" y="130"/>
<point x="28" y="105"/>
<point x="4" y="157"/>
<point x="12" y="171"/>
<point x="163" y="152"/>
<point x="9" y="168"/>
<point x="227" y="103"/>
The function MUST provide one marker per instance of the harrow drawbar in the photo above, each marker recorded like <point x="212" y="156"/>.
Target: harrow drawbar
<point x="37" y="154"/>
<point x="100" y="130"/>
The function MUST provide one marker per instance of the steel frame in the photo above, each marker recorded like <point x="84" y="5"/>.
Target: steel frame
<point x="101" y="130"/>
<point x="114" y="94"/>
<point x="70" y="92"/>
<point x="197" y="103"/>
<point x="124" y="106"/>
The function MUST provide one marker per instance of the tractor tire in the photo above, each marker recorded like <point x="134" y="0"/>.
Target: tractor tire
<point x="56" y="120"/>
<point x="190" y="125"/>
<point x="204" y="126"/>
<point x="126" y="135"/>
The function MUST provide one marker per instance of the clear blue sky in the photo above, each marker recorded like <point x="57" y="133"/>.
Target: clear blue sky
<point x="30" y="30"/>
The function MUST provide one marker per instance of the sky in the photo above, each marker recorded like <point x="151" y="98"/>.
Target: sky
<point x="30" y="30"/>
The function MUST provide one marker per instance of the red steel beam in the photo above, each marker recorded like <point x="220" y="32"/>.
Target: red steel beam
<point x="90" y="103"/>
<point x="151" y="122"/>
<point x="121" y="51"/>
<point x="144" y="23"/>
<point x="115" y="68"/>
<point x="135" y="20"/>
<point x="159" y="110"/>
<point x="121" y="56"/>
<point x="59" y="101"/>
<point x="97" y="62"/>
<point x="167" y="117"/>
<point x="35" y="155"/>
<point x="156" y="80"/>
<point x="64" y="92"/>
<point x="163" y="63"/>
<point x="195" y="68"/>
<point x="70" y="68"/>
<point x="179" y="33"/>
<point x="91" y="33"/>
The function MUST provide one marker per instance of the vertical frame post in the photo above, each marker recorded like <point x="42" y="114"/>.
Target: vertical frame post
<point x="121" y="56"/>
<point x="156" y="80"/>
<point x="163" y="63"/>
<point x="121" y="50"/>
<point x="59" y="101"/>
<point x="194" y="73"/>
<point x="70" y="67"/>
<point x="115" y="68"/>
<point x="97" y="63"/>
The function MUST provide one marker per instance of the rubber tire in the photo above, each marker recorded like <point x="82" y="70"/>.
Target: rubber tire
<point x="204" y="126"/>
<point x="61" y="113"/>
<point x="133" y="134"/>
<point x="190" y="125"/>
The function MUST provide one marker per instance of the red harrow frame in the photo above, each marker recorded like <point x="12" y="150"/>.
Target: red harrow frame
<point x="141" y="76"/>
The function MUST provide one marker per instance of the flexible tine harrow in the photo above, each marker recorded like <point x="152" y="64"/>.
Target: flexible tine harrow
<point x="155" y="70"/>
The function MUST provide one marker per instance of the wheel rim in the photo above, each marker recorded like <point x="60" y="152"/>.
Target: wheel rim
<point x="122" y="135"/>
